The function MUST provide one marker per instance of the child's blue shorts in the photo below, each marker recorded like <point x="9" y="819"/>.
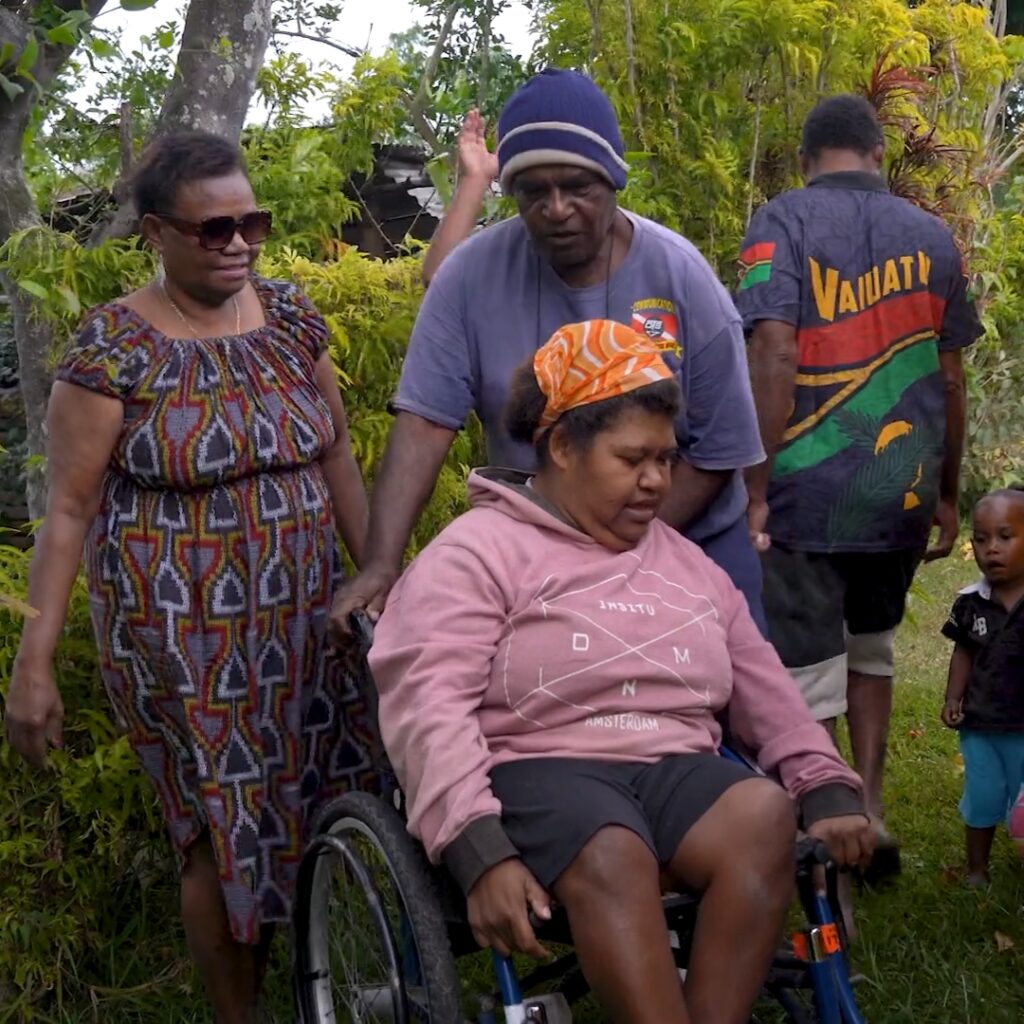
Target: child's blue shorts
<point x="993" y="775"/>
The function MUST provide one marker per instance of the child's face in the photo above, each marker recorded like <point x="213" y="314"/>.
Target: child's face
<point x="998" y="538"/>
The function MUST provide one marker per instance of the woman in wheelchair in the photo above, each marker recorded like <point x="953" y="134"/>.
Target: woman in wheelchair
<point x="552" y="670"/>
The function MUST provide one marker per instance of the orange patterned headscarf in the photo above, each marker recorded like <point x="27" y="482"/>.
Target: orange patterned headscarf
<point x="592" y="361"/>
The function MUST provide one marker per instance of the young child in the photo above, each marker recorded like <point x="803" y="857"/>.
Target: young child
<point x="985" y="692"/>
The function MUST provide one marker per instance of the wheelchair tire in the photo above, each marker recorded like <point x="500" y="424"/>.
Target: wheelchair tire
<point x="364" y="882"/>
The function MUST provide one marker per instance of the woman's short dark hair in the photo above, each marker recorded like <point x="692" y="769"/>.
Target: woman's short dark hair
<point x="525" y="406"/>
<point x="178" y="159"/>
<point x="842" y="122"/>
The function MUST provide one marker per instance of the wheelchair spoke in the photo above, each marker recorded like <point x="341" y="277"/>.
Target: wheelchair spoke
<point x="371" y="940"/>
<point x="358" y="962"/>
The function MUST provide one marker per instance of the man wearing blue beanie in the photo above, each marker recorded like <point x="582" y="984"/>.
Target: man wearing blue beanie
<point x="572" y="254"/>
<point x="560" y="117"/>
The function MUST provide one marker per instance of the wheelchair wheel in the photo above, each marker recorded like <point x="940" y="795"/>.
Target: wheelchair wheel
<point x="370" y="941"/>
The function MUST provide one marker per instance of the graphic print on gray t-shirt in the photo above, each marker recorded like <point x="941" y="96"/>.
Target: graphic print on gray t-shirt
<point x="494" y="302"/>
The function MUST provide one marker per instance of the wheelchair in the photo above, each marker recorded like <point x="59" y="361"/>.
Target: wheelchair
<point x="379" y="932"/>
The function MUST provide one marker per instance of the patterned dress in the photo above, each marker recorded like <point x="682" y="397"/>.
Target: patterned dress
<point x="211" y="566"/>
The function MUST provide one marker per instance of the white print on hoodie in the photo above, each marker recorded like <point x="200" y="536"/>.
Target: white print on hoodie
<point x="602" y="634"/>
<point x="515" y="635"/>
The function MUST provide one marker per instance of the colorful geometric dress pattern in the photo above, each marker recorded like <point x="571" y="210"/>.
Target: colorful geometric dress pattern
<point x="211" y="566"/>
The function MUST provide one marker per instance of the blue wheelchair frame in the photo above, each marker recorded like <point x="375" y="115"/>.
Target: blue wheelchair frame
<point x="819" y="946"/>
<point x="822" y="947"/>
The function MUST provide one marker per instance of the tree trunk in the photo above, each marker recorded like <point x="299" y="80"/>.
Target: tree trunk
<point x="752" y="170"/>
<point x="33" y="338"/>
<point x="673" y="104"/>
<point x="222" y="48"/>
<point x="485" y="55"/>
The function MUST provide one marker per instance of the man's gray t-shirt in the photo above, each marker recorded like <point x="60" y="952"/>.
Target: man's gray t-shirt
<point x="495" y="301"/>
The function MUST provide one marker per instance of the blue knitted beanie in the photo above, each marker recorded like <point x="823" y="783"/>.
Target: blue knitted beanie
<point x="560" y="117"/>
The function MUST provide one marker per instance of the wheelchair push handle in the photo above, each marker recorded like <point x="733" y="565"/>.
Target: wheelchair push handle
<point x="362" y="629"/>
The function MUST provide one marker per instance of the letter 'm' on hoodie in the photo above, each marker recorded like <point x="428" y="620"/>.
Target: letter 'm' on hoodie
<point x="515" y="635"/>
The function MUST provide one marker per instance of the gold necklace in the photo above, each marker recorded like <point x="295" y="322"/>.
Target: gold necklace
<point x="184" y="319"/>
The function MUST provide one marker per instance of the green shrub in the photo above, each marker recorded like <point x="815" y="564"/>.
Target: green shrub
<point x="370" y="306"/>
<point x="995" y="365"/>
<point x="79" y="842"/>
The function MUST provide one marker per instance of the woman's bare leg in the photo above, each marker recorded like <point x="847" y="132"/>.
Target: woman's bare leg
<point x="231" y="971"/>
<point x="741" y="854"/>
<point x="612" y="894"/>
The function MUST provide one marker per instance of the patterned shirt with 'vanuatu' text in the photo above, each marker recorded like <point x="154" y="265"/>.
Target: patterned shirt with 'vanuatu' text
<point x="876" y="290"/>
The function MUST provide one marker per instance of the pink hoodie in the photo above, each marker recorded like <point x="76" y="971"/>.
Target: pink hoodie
<point x="514" y="635"/>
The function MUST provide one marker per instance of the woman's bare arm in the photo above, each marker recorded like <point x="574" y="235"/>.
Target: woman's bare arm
<point x="83" y="428"/>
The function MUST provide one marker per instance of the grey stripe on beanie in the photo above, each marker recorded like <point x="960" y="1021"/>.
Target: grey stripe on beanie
<point x="560" y="117"/>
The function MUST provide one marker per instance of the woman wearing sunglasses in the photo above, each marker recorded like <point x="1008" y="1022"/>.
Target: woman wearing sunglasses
<point x="199" y="450"/>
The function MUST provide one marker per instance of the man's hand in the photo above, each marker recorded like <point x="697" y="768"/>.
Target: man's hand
<point x="849" y="837"/>
<point x="475" y="159"/>
<point x="35" y="712"/>
<point x="947" y="519"/>
<point x="499" y="905"/>
<point x="757" y="521"/>
<point x="952" y="712"/>
<point x="366" y="591"/>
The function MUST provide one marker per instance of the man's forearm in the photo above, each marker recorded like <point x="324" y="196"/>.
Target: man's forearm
<point x="773" y="365"/>
<point x="457" y="224"/>
<point x="410" y="467"/>
<point x="691" y="494"/>
<point x="956" y="426"/>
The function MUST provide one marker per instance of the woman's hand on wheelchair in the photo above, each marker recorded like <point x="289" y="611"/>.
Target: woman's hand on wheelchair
<point x="849" y="837"/>
<point x="499" y="910"/>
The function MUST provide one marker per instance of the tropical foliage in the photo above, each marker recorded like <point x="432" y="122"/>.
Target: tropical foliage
<point x="711" y="94"/>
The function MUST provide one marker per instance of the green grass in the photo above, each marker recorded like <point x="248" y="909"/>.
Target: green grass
<point x="928" y="948"/>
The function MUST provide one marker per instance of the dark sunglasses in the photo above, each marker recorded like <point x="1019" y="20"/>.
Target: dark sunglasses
<point x="217" y="232"/>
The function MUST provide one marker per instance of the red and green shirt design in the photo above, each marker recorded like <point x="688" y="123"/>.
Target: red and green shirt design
<point x="875" y="289"/>
<point x="756" y="264"/>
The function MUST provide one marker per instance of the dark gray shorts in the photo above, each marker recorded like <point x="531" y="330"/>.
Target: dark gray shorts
<point x="552" y="806"/>
<point x="809" y="597"/>
<point x="829" y="614"/>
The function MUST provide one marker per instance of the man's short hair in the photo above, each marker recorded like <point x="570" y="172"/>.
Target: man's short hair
<point x="842" y="122"/>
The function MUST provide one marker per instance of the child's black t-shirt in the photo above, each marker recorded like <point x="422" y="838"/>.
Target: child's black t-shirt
<point x="995" y="637"/>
